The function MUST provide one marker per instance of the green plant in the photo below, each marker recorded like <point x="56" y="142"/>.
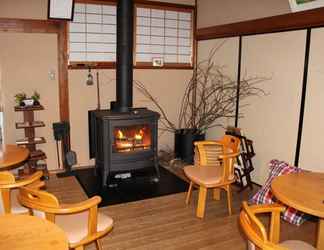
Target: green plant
<point x="35" y="96"/>
<point x="19" y="97"/>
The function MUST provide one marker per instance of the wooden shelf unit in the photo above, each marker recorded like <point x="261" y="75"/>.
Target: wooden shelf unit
<point x="35" y="124"/>
<point x="30" y="141"/>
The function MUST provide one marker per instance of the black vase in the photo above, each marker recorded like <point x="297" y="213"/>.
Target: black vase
<point x="184" y="143"/>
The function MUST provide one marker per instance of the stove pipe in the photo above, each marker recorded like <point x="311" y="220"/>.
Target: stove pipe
<point x="124" y="60"/>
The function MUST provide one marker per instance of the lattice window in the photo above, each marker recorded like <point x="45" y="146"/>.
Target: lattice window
<point x="164" y="34"/>
<point x="92" y="34"/>
<point x="161" y="32"/>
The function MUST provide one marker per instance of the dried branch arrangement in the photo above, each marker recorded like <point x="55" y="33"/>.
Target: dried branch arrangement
<point x="209" y="95"/>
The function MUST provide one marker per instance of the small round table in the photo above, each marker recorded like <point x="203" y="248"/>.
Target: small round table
<point x="305" y="192"/>
<point x="27" y="232"/>
<point x="11" y="156"/>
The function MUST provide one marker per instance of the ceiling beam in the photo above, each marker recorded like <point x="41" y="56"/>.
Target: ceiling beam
<point x="292" y="21"/>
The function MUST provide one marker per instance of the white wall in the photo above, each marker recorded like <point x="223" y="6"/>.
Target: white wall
<point x="227" y="57"/>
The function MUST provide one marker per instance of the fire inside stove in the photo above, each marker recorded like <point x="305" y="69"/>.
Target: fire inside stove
<point x="132" y="138"/>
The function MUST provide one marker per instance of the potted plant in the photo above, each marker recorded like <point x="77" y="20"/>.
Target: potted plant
<point x="19" y="98"/>
<point x="36" y="97"/>
<point x="209" y="95"/>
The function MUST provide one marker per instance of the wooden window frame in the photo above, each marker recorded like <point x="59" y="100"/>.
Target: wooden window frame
<point x="140" y="65"/>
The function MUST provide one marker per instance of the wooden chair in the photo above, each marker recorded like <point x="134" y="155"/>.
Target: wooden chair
<point x="81" y="221"/>
<point x="228" y="141"/>
<point x="215" y="170"/>
<point x="257" y="234"/>
<point x="9" y="191"/>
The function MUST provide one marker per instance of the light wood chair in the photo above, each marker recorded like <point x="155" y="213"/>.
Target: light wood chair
<point x="215" y="170"/>
<point x="81" y="221"/>
<point x="258" y="238"/>
<point x="9" y="191"/>
<point x="227" y="141"/>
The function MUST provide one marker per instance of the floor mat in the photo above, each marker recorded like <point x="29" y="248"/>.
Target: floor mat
<point x="139" y="187"/>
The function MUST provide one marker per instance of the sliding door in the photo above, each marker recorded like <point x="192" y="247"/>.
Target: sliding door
<point x="271" y="121"/>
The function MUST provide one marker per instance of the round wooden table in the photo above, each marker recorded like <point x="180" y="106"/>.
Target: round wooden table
<point x="11" y="156"/>
<point x="305" y="192"/>
<point x="30" y="233"/>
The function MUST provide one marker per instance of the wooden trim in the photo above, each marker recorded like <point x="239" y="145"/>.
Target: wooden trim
<point x="292" y="21"/>
<point x="143" y="65"/>
<point x="106" y="2"/>
<point x="142" y="2"/>
<point x="92" y="65"/>
<point x="303" y="96"/>
<point x="164" y="6"/>
<point x="63" y="73"/>
<point x="109" y="65"/>
<point x="29" y="26"/>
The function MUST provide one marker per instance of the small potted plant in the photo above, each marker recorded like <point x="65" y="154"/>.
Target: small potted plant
<point x="19" y="98"/>
<point x="36" y="97"/>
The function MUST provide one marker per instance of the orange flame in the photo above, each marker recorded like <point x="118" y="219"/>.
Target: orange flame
<point x="139" y="135"/>
<point x="120" y="134"/>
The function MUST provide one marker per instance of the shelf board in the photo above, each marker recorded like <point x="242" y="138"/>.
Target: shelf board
<point x="29" y="108"/>
<point x="34" y="124"/>
<point x="30" y="141"/>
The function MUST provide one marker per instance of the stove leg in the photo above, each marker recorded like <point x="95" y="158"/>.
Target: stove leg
<point x="104" y="179"/>
<point x="156" y="165"/>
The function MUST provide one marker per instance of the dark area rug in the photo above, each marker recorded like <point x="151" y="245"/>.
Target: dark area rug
<point x="140" y="186"/>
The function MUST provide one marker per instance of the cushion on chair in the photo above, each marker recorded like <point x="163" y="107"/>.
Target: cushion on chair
<point x="205" y="176"/>
<point x="265" y="196"/>
<point x="76" y="225"/>
<point x="297" y="245"/>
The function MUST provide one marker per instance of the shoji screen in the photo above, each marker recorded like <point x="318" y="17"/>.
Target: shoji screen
<point x="166" y="34"/>
<point x="311" y="154"/>
<point x="272" y="121"/>
<point x="92" y="36"/>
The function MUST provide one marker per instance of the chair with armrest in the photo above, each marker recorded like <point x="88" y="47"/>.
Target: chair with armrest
<point x="227" y="141"/>
<point x="9" y="191"/>
<point x="257" y="234"/>
<point x="81" y="221"/>
<point x="215" y="170"/>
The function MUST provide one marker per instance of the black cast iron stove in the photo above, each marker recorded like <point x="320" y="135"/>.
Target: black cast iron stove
<point x="123" y="139"/>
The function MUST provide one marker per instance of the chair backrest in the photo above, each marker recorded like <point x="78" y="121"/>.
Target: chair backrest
<point x="209" y="152"/>
<point x="40" y="201"/>
<point x="255" y="230"/>
<point x="8" y="182"/>
<point x="231" y="142"/>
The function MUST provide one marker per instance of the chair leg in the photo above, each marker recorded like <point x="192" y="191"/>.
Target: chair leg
<point x="201" y="202"/>
<point x="189" y="193"/>
<point x="216" y="194"/>
<point x="98" y="244"/>
<point x="229" y="199"/>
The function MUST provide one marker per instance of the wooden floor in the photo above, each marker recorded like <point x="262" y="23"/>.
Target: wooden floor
<point x="167" y="223"/>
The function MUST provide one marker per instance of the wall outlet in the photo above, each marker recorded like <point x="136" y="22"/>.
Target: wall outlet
<point x="51" y="75"/>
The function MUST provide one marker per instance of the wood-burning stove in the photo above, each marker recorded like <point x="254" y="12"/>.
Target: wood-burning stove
<point x="123" y="139"/>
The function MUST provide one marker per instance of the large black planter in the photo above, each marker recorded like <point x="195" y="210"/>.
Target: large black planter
<point x="184" y="143"/>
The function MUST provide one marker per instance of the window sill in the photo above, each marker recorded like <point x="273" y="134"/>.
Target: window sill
<point x="94" y="65"/>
